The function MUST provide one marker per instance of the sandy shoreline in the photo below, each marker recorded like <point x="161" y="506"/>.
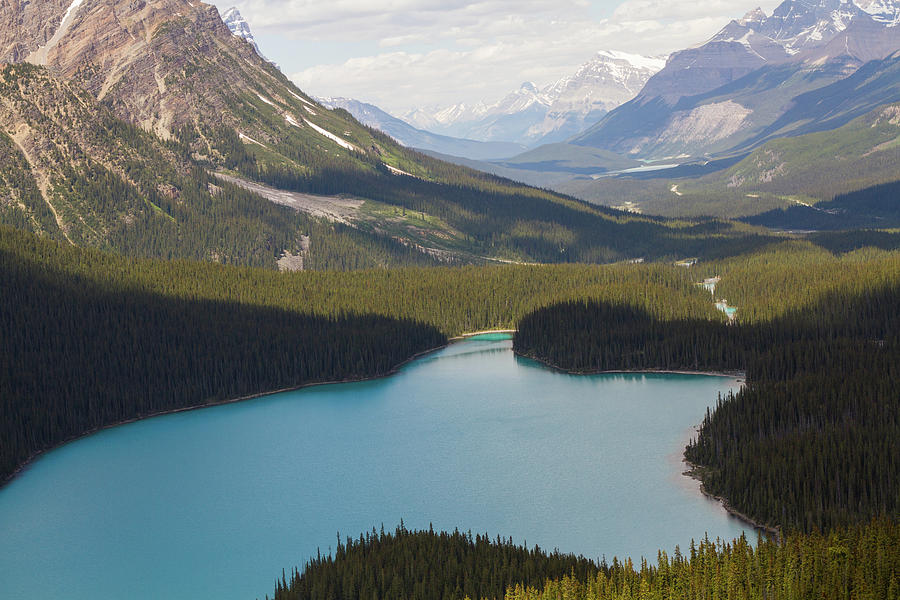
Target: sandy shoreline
<point x="485" y="332"/>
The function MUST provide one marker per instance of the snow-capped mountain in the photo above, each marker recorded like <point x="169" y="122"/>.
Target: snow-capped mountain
<point x="731" y="90"/>
<point x="883" y="11"/>
<point x="239" y="27"/>
<point x="532" y="116"/>
<point x="757" y="39"/>
<point x="411" y="137"/>
<point x="609" y="80"/>
<point x="801" y="26"/>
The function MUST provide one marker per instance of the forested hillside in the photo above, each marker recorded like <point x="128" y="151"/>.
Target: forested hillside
<point x="812" y="440"/>
<point x="849" y="562"/>
<point x="118" y="338"/>
<point x="424" y="565"/>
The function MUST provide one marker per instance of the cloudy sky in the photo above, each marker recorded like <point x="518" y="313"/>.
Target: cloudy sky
<point x="404" y="54"/>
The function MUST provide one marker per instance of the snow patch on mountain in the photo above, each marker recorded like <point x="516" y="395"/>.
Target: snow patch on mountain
<point x="239" y="27"/>
<point x="39" y="56"/>
<point x="336" y="139"/>
<point x="883" y="11"/>
<point x="650" y="63"/>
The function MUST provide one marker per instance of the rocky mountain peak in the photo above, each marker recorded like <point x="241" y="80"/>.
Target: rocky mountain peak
<point x="800" y="25"/>
<point x="239" y="26"/>
<point x="882" y="11"/>
<point x="160" y="64"/>
<point x="757" y="15"/>
<point x="532" y="115"/>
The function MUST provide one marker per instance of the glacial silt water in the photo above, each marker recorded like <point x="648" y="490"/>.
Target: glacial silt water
<point x="214" y="503"/>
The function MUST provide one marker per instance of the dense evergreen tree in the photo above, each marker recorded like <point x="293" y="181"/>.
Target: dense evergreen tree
<point x="813" y="439"/>
<point x="90" y="338"/>
<point x="847" y="563"/>
<point x="424" y="565"/>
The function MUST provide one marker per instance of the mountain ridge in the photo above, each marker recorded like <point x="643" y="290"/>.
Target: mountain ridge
<point x="716" y="96"/>
<point x="170" y="79"/>
<point x="420" y="139"/>
<point x="532" y="116"/>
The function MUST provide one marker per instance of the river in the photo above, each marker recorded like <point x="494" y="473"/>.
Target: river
<point x="214" y="503"/>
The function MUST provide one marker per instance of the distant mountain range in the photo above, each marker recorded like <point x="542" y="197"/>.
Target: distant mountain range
<point x="531" y="116"/>
<point x="131" y="117"/>
<point x="753" y="81"/>
<point x="525" y="118"/>
<point x="400" y="130"/>
<point x="148" y="128"/>
<point x="420" y="139"/>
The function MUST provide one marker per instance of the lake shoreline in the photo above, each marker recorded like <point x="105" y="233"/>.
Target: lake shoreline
<point x="393" y="371"/>
<point x="550" y="365"/>
<point x="695" y="473"/>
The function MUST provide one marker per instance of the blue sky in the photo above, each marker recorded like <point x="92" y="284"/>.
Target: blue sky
<point x="404" y="54"/>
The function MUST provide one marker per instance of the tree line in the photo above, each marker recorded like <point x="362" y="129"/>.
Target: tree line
<point x="813" y="439"/>
<point x="855" y="562"/>
<point x="90" y="338"/>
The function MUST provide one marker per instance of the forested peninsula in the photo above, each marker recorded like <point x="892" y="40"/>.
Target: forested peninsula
<point x="93" y="339"/>
<point x="854" y="562"/>
<point x="808" y="447"/>
<point x="813" y="439"/>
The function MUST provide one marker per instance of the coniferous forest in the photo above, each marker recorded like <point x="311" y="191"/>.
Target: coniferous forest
<point x="91" y="339"/>
<point x="141" y="242"/>
<point x="808" y="447"/>
<point x="847" y="562"/>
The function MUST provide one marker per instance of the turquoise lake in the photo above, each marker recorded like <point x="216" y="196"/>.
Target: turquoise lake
<point x="214" y="503"/>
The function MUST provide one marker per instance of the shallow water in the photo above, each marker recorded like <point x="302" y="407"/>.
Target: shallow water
<point x="214" y="503"/>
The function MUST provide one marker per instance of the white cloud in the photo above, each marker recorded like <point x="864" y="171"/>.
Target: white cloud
<point x="666" y="10"/>
<point x="439" y="52"/>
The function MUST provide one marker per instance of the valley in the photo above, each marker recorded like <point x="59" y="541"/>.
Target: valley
<point x="509" y="301"/>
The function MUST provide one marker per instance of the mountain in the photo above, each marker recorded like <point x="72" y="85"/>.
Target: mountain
<point x="510" y="119"/>
<point x="862" y="153"/>
<point x="239" y="27"/>
<point x="733" y="91"/>
<point x="411" y="137"/>
<point x="71" y="170"/>
<point x="533" y="116"/>
<point x="884" y="11"/>
<point x="802" y="173"/>
<point x="150" y="129"/>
